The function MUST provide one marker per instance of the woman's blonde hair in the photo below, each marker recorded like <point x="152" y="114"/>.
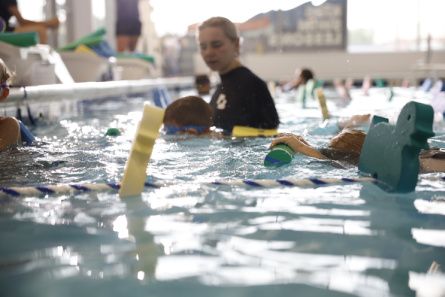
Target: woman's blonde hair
<point x="224" y="24"/>
<point x="5" y="73"/>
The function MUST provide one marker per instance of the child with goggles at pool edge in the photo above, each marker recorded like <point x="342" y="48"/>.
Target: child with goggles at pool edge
<point x="9" y="126"/>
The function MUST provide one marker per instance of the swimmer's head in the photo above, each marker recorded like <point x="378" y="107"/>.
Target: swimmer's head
<point x="348" y="140"/>
<point x="189" y="114"/>
<point x="202" y="83"/>
<point x="306" y="75"/>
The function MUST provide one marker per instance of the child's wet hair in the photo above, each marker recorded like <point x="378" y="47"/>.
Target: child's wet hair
<point x="190" y="110"/>
<point x="349" y="140"/>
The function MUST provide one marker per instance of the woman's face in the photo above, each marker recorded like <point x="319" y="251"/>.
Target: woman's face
<point x="218" y="51"/>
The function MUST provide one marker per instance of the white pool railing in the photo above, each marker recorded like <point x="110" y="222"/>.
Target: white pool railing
<point x="93" y="90"/>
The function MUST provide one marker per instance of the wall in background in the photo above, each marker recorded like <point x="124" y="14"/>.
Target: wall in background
<point x="334" y="65"/>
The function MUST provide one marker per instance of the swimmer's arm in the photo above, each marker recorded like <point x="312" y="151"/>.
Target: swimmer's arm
<point x="298" y="144"/>
<point x="354" y="121"/>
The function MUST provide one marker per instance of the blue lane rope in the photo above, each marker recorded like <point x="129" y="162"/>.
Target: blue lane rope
<point x="258" y="183"/>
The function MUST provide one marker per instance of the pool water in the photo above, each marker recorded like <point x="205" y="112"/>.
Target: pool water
<point x="193" y="238"/>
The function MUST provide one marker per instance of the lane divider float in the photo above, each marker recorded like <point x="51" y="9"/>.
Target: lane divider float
<point x="113" y="187"/>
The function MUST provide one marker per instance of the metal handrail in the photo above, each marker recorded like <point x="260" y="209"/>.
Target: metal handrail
<point x="93" y="90"/>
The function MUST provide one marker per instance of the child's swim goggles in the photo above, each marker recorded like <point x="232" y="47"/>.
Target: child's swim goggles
<point x="170" y="130"/>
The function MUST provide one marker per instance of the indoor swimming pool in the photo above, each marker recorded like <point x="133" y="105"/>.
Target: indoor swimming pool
<point x="193" y="238"/>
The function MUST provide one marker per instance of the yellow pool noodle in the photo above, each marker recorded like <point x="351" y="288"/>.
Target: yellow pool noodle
<point x="322" y="101"/>
<point x="135" y="172"/>
<point x="242" y="131"/>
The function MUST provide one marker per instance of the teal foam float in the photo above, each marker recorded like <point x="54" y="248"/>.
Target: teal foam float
<point x="391" y="153"/>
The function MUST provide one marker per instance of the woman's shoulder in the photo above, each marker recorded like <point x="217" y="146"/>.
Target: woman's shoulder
<point x="241" y="71"/>
<point x="249" y="72"/>
<point x="248" y="77"/>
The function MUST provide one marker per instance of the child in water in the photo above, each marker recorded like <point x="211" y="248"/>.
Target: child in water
<point x="188" y="115"/>
<point x="9" y="126"/>
<point x="192" y="115"/>
<point x="202" y="84"/>
<point x="303" y="76"/>
<point x="347" y="145"/>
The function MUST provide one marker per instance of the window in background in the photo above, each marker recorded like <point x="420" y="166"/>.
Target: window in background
<point x="396" y="25"/>
<point x="98" y="7"/>
<point x="32" y="9"/>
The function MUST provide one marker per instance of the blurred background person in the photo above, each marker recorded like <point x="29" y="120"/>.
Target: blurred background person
<point x="202" y="84"/>
<point x="9" y="9"/>
<point x="303" y="76"/>
<point x="128" y="25"/>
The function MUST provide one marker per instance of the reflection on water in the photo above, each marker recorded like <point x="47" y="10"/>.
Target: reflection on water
<point x="207" y="240"/>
